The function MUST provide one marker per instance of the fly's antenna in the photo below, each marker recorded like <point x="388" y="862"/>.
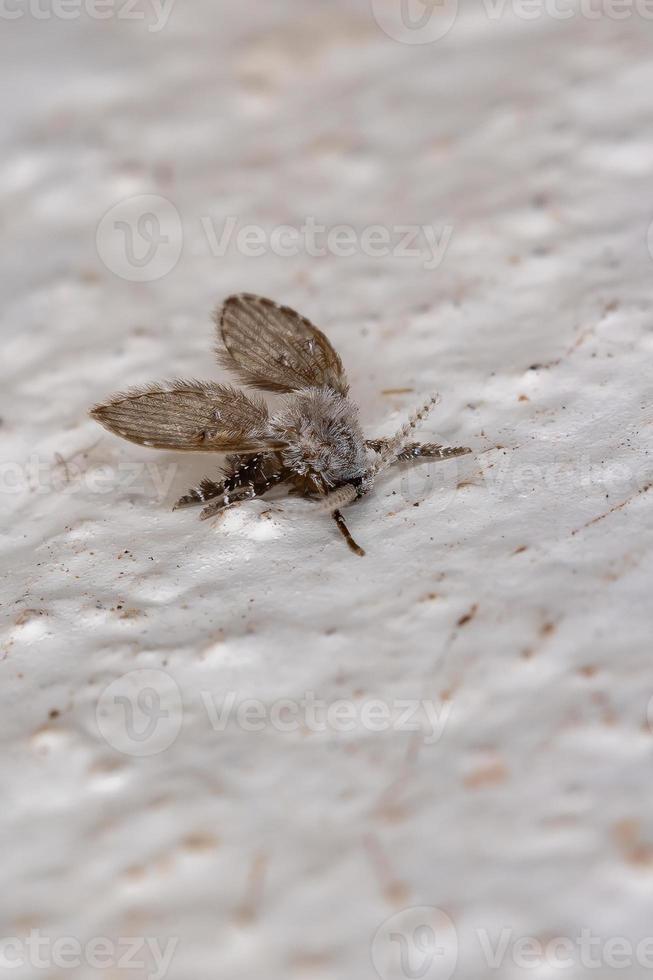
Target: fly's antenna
<point x="331" y="504"/>
<point x="397" y="443"/>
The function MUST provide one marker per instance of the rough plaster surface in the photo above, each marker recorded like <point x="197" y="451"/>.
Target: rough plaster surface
<point x="515" y="599"/>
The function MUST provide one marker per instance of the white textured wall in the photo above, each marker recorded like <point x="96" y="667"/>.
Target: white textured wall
<point x="513" y="603"/>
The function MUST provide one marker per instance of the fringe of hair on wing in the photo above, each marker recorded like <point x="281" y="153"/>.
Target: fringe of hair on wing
<point x="398" y="442"/>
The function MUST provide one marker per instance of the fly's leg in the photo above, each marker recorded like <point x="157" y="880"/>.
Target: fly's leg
<point x="241" y="470"/>
<point x="431" y="450"/>
<point x="252" y="478"/>
<point x="207" y="490"/>
<point x="346" y="533"/>
<point x="416" y="450"/>
<point x="377" y="445"/>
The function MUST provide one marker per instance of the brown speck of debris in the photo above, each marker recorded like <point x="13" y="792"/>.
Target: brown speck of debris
<point x="88" y="276"/>
<point x="490" y="775"/>
<point x="397" y="391"/>
<point x="392" y="811"/>
<point x="635" y="851"/>
<point x="588" y="671"/>
<point x="135" y="872"/>
<point x="200" y="842"/>
<point x="28" y="614"/>
<point x="396" y="893"/>
<point x="248" y="910"/>
<point x="130" y="613"/>
<point x="545" y="365"/>
<point x="521" y="549"/>
<point x="310" y="961"/>
<point x="523" y="398"/>
<point x="613" y="510"/>
<point x="468" y="617"/>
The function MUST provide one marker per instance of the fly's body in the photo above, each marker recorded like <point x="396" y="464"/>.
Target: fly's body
<point x="313" y="441"/>
<point x="325" y="443"/>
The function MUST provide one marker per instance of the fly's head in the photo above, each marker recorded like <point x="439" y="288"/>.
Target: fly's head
<point x="325" y="443"/>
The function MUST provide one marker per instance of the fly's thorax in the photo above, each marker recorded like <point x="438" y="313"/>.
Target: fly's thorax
<point x="323" y="434"/>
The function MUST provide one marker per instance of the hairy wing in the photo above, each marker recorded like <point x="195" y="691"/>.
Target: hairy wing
<point x="274" y="348"/>
<point x="194" y="416"/>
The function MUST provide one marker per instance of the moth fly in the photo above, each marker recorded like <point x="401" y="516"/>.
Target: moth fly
<point x="313" y="441"/>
